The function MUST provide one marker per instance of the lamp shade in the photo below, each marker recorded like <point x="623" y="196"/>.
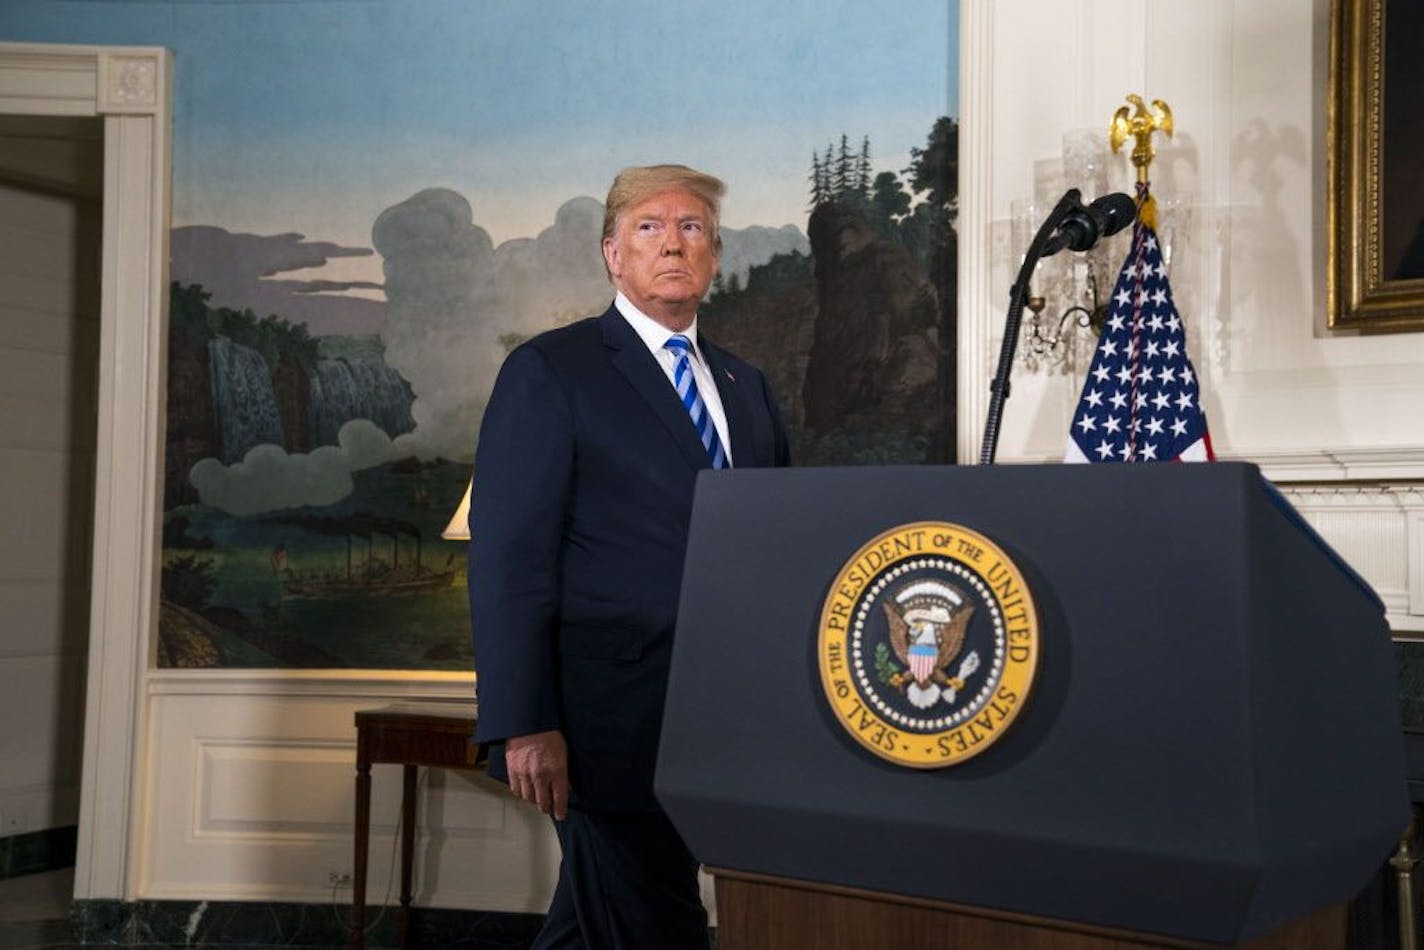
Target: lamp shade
<point x="459" y="527"/>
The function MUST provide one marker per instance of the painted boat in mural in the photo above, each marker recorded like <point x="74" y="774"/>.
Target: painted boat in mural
<point x="368" y="574"/>
<point x="329" y="584"/>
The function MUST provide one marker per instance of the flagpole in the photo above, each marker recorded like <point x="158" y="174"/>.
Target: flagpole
<point x="1141" y="398"/>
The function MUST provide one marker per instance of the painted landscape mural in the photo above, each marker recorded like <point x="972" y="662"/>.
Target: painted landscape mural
<point x="370" y="220"/>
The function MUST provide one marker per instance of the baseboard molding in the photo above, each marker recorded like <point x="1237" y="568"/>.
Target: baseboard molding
<point x="37" y="851"/>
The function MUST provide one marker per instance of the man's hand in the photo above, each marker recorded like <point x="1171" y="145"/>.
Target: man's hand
<point x="538" y="767"/>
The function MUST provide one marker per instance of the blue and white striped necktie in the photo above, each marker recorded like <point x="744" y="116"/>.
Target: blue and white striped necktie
<point x="692" y="400"/>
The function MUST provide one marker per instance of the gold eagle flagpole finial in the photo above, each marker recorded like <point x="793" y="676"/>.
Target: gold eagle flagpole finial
<point x="1140" y="123"/>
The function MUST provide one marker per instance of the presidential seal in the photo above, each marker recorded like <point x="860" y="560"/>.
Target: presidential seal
<point x="928" y="644"/>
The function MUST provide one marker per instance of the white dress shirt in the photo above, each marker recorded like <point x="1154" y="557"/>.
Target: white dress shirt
<point x="655" y="336"/>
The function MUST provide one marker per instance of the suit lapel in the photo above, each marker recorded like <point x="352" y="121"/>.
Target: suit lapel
<point x="632" y="359"/>
<point x="739" y="420"/>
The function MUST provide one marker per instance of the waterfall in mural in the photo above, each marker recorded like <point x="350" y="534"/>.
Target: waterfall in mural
<point x="355" y="382"/>
<point x="243" y="399"/>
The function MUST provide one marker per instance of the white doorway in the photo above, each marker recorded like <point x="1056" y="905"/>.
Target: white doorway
<point x="51" y="238"/>
<point x="128" y="91"/>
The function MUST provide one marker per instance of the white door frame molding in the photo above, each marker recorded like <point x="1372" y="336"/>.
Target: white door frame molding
<point x="130" y="87"/>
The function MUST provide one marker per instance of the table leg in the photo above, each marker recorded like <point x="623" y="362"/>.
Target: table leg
<point x="363" y="841"/>
<point x="1403" y="863"/>
<point x="407" y="850"/>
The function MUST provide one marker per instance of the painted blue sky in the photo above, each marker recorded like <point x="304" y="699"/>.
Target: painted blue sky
<point x="315" y="115"/>
<point x="458" y="129"/>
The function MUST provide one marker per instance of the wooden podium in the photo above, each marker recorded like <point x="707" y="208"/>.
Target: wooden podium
<point x="760" y="912"/>
<point x="1210" y="754"/>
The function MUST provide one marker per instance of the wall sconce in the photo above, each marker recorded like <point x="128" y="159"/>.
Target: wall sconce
<point x="1068" y="299"/>
<point x="1046" y="339"/>
<point x="1068" y="295"/>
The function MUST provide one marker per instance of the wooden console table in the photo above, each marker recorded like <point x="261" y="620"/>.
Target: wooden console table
<point x="410" y="735"/>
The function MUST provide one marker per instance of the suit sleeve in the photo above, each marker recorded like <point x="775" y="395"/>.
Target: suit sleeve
<point x="523" y="466"/>
<point x="781" y="445"/>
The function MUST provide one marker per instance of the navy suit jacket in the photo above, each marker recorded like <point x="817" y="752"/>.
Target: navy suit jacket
<point x="578" y="524"/>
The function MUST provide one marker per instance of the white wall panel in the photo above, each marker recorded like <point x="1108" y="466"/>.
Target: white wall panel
<point x="1414" y="535"/>
<point x="38" y="330"/>
<point x="37" y="699"/>
<point x="264" y="787"/>
<point x="1377" y="529"/>
<point x="253" y="794"/>
<point x="37" y="423"/>
<point x="34" y="515"/>
<point x="42" y="617"/>
<point x="41" y="698"/>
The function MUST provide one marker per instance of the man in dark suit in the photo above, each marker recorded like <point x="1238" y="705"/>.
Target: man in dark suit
<point x="583" y="485"/>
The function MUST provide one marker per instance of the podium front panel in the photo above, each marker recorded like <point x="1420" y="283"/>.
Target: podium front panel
<point x="1211" y="747"/>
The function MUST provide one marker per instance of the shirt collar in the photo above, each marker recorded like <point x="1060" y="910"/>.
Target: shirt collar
<point x="653" y="334"/>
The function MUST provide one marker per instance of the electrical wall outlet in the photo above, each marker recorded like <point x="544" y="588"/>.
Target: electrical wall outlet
<point x="338" y="878"/>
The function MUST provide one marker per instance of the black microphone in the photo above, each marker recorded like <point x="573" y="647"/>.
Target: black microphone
<point x="1069" y="224"/>
<point x="1082" y="227"/>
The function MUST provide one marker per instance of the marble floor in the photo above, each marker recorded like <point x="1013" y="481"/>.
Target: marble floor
<point x="34" y="915"/>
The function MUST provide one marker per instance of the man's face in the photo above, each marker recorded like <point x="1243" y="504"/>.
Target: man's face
<point x="662" y="256"/>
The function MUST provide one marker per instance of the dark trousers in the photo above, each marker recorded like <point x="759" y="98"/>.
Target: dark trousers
<point x="626" y="882"/>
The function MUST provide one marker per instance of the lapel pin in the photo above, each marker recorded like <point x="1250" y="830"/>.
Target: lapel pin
<point x="729" y="374"/>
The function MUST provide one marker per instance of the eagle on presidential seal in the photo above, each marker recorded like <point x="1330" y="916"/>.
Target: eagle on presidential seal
<point x="928" y="620"/>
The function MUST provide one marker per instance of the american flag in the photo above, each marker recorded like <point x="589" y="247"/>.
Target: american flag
<point x="1142" y="400"/>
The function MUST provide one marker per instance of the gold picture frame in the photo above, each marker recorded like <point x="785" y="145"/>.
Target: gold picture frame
<point x="1375" y="265"/>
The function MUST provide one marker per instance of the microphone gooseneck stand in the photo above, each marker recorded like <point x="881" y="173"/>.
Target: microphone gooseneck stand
<point x="1018" y="297"/>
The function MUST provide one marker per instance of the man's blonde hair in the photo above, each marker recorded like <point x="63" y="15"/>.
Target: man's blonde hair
<point x="635" y="185"/>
